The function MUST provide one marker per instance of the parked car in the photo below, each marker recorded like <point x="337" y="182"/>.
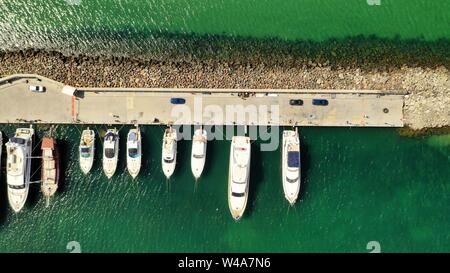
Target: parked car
<point x="37" y="88"/>
<point x="320" y="102"/>
<point x="177" y="101"/>
<point x="296" y="102"/>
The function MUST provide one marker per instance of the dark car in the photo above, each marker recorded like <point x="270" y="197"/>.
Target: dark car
<point x="177" y="100"/>
<point x="320" y="102"/>
<point x="296" y="102"/>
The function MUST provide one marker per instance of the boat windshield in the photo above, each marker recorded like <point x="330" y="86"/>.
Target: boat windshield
<point x="109" y="152"/>
<point x="132" y="136"/>
<point x="110" y="136"/>
<point x="85" y="152"/>
<point x="17" y="187"/>
<point x="293" y="159"/>
<point x="291" y="180"/>
<point x="238" y="194"/>
<point x="198" y="156"/>
<point x="169" y="160"/>
<point x="133" y="152"/>
<point x="18" y="140"/>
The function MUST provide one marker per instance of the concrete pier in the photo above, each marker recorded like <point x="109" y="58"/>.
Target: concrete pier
<point x="360" y="108"/>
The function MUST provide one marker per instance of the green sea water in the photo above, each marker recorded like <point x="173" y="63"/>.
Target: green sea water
<point x="359" y="185"/>
<point x="133" y="27"/>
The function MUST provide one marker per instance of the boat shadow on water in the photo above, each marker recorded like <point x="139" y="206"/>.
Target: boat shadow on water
<point x="256" y="178"/>
<point x="305" y="160"/>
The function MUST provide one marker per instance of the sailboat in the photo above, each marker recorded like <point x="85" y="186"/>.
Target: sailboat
<point x="50" y="168"/>
<point x="110" y="152"/>
<point x="134" y="152"/>
<point x="239" y="175"/>
<point x="198" y="154"/>
<point x="169" y="152"/>
<point x="291" y="165"/>
<point x="18" y="167"/>
<point x="87" y="150"/>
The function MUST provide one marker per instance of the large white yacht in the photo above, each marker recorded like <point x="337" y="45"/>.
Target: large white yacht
<point x="239" y="175"/>
<point x="18" y="167"/>
<point x="169" y="152"/>
<point x="87" y="150"/>
<point x="291" y="165"/>
<point x="134" y="152"/>
<point x="198" y="154"/>
<point x="110" y="152"/>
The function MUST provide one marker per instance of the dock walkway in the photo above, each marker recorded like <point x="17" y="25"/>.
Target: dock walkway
<point x="360" y="108"/>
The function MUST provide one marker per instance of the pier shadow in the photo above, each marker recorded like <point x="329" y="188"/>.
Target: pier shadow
<point x="210" y="147"/>
<point x="256" y="178"/>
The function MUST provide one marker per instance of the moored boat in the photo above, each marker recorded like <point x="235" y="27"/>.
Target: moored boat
<point x="169" y="152"/>
<point x="18" y="167"/>
<point x="50" y="168"/>
<point x="110" y="152"/>
<point x="239" y="175"/>
<point x="291" y="170"/>
<point x="134" y="152"/>
<point x="87" y="150"/>
<point x="198" y="153"/>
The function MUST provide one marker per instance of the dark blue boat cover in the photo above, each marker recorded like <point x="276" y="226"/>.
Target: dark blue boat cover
<point x="293" y="159"/>
<point x="132" y="136"/>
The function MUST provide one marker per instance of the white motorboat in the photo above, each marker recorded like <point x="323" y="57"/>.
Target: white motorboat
<point x="239" y="175"/>
<point x="134" y="152"/>
<point x="87" y="150"/>
<point x="110" y="152"/>
<point x="18" y="167"/>
<point x="169" y="152"/>
<point x="198" y="154"/>
<point x="291" y="165"/>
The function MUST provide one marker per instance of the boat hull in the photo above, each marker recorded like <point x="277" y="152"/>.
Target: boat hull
<point x="50" y="168"/>
<point x="86" y="163"/>
<point x="199" y="141"/>
<point x="134" y="163"/>
<point x="18" y="177"/>
<point x="238" y="204"/>
<point x="110" y="163"/>
<point x="169" y="152"/>
<point x="290" y="189"/>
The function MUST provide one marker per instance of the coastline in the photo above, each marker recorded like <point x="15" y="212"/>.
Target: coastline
<point x="428" y="86"/>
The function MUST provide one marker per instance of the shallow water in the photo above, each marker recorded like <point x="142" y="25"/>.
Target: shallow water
<point x="359" y="185"/>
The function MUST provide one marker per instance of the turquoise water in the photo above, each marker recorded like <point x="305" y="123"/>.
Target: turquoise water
<point x="359" y="185"/>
